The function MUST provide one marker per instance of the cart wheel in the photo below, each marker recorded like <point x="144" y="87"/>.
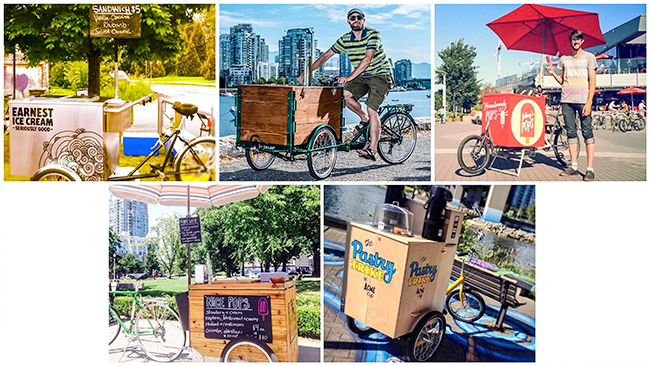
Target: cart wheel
<point x="256" y="158"/>
<point x="473" y="154"/>
<point x="358" y="327"/>
<point x="56" y="173"/>
<point x="398" y="138"/>
<point x="468" y="309"/>
<point x="247" y="349"/>
<point x="561" y="147"/>
<point x="197" y="161"/>
<point x="321" y="159"/>
<point x="426" y="337"/>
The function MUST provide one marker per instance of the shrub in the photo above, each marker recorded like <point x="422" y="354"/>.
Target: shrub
<point x="302" y="300"/>
<point x="76" y="75"/>
<point x="127" y="90"/>
<point x="309" y="321"/>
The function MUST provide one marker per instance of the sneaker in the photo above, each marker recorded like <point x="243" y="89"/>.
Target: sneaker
<point x="568" y="171"/>
<point x="589" y="175"/>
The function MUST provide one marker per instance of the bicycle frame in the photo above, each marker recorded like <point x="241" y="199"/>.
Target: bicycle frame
<point x="136" y="300"/>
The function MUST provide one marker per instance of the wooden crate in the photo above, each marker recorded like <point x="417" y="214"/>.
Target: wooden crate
<point x="265" y="112"/>
<point x="282" y="313"/>
<point x="393" y="303"/>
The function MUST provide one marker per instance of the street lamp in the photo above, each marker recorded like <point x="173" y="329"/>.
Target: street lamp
<point x="114" y="255"/>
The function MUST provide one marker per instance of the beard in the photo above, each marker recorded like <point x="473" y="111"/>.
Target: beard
<point x="356" y="28"/>
<point x="576" y="47"/>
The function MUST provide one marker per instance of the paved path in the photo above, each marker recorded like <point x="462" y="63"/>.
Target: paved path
<point x="619" y="157"/>
<point x="349" y="167"/>
<point x="342" y="345"/>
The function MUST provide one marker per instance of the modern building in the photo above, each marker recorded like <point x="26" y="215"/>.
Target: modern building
<point x="345" y="66"/>
<point x="491" y="200"/>
<point x="403" y="71"/>
<point x="241" y="51"/>
<point x="294" y="50"/>
<point x="521" y="196"/>
<point x="126" y="216"/>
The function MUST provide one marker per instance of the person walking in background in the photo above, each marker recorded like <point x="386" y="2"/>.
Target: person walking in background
<point x="578" y="80"/>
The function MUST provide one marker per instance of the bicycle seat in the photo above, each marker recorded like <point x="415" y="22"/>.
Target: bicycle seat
<point x="185" y="109"/>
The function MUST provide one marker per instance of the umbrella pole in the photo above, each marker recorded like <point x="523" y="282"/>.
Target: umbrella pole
<point x="189" y="258"/>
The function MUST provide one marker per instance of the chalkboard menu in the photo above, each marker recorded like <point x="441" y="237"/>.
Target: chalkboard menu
<point x="190" y="228"/>
<point x="115" y="21"/>
<point x="230" y="316"/>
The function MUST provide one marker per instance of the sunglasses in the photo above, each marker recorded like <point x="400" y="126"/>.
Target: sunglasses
<point x="356" y="17"/>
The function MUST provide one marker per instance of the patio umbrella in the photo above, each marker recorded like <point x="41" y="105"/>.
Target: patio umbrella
<point x="631" y="91"/>
<point x="190" y="195"/>
<point x="545" y="29"/>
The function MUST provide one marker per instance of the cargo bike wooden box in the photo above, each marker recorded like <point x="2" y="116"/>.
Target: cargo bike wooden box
<point x="244" y="320"/>
<point x="396" y="284"/>
<point x="286" y="121"/>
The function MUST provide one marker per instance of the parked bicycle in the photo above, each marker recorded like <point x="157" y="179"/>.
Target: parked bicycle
<point x="462" y="302"/>
<point x="152" y="323"/>
<point x="194" y="161"/>
<point x="628" y="121"/>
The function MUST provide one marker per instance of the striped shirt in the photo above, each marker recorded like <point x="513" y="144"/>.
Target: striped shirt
<point x="356" y="50"/>
<point x="576" y="77"/>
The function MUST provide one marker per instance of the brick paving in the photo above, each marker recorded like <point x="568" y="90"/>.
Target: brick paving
<point x="341" y="345"/>
<point x="619" y="157"/>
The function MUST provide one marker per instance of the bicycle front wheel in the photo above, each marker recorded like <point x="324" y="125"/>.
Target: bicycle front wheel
<point x="113" y="325"/>
<point x="247" y="349"/>
<point x="197" y="161"/>
<point x="398" y="138"/>
<point x="468" y="307"/>
<point x="426" y="337"/>
<point x="639" y="124"/>
<point x="160" y="332"/>
<point x="322" y="155"/>
<point x="473" y="154"/>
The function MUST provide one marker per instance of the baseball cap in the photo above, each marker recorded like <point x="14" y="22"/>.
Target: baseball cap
<point x="356" y="10"/>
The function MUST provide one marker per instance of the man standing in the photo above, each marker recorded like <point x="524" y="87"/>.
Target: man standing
<point x="371" y="75"/>
<point x="578" y="80"/>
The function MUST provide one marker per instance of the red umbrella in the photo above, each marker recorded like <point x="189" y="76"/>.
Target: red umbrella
<point x="603" y="56"/>
<point x="631" y="91"/>
<point x="545" y="29"/>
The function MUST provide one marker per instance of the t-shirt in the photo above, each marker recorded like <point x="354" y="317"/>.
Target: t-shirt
<point x="356" y="50"/>
<point x="576" y="77"/>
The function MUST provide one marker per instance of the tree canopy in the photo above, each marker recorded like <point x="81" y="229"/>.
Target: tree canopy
<point x="61" y="32"/>
<point x="463" y="88"/>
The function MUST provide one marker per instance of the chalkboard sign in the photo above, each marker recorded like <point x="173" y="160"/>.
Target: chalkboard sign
<point x="115" y="21"/>
<point x="230" y="316"/>
<point x="190" y="230"/>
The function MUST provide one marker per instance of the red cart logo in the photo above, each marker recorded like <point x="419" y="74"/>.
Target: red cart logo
<point x="527" y="122"/>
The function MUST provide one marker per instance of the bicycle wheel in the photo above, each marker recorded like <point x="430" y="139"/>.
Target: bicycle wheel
<point x="469" y="310"/>
<point x="56" y="173"/>
<point x="258" y="159"/>
<point x="473" y="154"/>
<point x="397" y="138"/>
<point x="114" y="326"/>
<point x="160" y="332"/>
<point x="426" y="337"/>
<point x="321" y="159"/>
<point x="247" y="349"/>
<point x="624" y="125"/>
<point x="358" y="327"/>
<point x="561" y="147"/>
<point x="197" y="161"/>
<point x="639" y="124"/>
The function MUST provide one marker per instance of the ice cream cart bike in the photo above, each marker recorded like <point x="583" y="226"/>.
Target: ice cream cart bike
<point x="77" y="138"/>
<point x="395" y="282"/>
<point x="513" y="126"/>
<point x="289" y="122"/>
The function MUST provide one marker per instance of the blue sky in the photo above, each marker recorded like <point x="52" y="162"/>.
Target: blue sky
<point x="405" y="29"/>
<point x="468" y="21"/>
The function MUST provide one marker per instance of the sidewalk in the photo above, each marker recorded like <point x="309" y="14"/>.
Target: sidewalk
<point x="619" y="157"/>
<point x="342" y="345"/>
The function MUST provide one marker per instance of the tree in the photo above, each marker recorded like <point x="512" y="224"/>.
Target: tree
<point x="130" y="264"/>
<point x="61" y="32"/>
<point x="168" y="242"/>
<point x="114" y="243"/>
<point x="462" y="84"/>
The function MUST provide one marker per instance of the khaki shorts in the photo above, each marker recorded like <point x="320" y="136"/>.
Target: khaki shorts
<point x="376" y="86"/>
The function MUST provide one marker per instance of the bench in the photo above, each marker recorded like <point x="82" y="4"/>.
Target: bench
<point x="490" y="284"/>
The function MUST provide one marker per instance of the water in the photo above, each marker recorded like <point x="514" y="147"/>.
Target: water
<point x="422" y="108"/>
<point x="357" y="203"/>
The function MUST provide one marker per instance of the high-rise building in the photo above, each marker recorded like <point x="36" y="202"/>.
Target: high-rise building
<point x="131" y="217"/>
<point x="521" y="196"/>
<point x="242" y="50"/>
<point x="294" y="49"/>
<point x="403" y="71"/>
<point x="345" y="66"/>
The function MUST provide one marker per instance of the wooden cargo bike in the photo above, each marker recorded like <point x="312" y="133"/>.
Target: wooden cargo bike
<point x="287" y="121"/>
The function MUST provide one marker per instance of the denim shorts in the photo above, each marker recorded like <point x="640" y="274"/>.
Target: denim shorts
<point x="376" y="86"/>
<point x="569" y="111"/>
